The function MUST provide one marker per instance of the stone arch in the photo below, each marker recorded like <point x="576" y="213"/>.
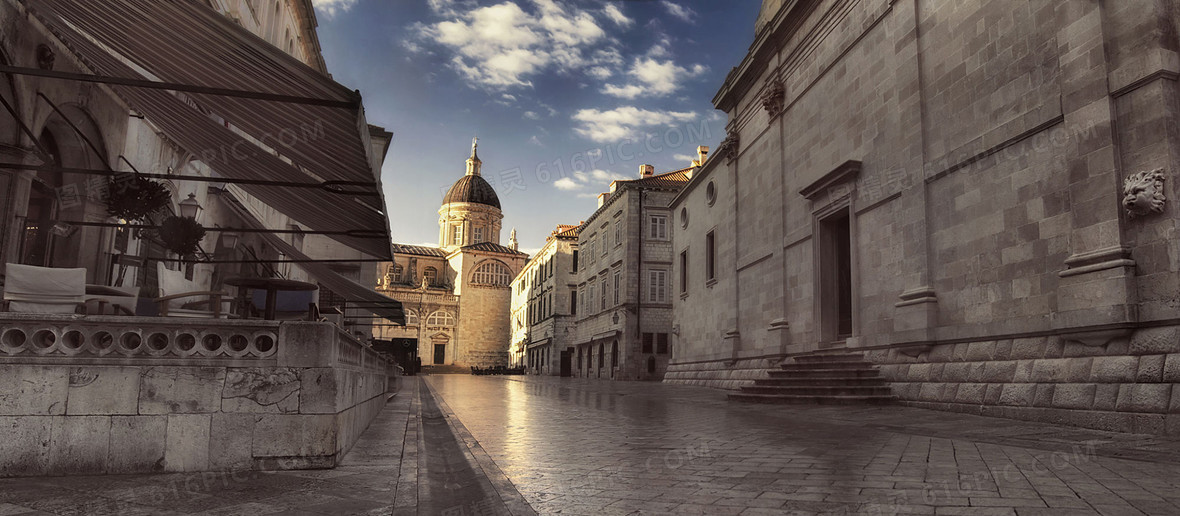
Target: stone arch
<point x="493" y="273"/>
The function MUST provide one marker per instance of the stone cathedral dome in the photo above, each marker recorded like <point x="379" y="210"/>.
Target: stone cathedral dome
<point x="473" y="189"/>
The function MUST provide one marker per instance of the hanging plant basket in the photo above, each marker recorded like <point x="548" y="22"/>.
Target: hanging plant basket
<point x="132" y="197"/>
<point x="181" y="235"/>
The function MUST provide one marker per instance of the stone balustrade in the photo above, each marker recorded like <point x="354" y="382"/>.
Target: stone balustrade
<point x="114" y="395"/>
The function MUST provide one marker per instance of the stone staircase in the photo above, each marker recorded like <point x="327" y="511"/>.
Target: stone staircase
<point x="823" y="378"/>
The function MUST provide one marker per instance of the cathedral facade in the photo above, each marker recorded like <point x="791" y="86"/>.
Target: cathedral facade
<point x="457" y="296"/>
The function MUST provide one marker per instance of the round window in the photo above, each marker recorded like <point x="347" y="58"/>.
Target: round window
<point x="683" y="217"/>
<point x="710" y="193"/>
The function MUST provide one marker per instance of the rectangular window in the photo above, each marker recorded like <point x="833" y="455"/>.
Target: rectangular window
<point x="662" y="343"/>
<point x="575" y="269"/>
<point x="478" y="234"/>
<point x="618" y="232"/>
<point x="582" y="296"/>
<point x="458" y="235"/>
<point x="684" y="272"/>
<point x="602" y="294"/>
<point x="647" y="342"/>
<point x="590" y="295"/>
<point x="658" y="227"/>
<point x="618" y="284"/>
<point x="657" y="286"/>
<point x="573" y="302"/>
<point x="710" y="256"/>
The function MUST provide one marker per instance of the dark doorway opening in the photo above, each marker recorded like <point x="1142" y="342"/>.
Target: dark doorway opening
<point x="836" y="275"/>
<point x="440" y="354"/>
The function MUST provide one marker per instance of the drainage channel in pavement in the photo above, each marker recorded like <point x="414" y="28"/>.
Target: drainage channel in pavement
<point x="455" y="476"/>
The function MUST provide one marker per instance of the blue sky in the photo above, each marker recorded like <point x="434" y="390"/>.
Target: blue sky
<point x="564" y="95"/>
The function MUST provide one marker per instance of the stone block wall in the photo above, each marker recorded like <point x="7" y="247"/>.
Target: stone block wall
<point x="1129" y="385"/>
<point x="73" y="411"/>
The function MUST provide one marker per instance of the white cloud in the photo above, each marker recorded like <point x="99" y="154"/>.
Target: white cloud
<point x="601" y="73"/>
<point x="330" y="8"/>
<point x="616" y="15"/>
<point x="679" y="11"/>
<point x="684" y="157"/>
<point x="623" y="123"/>
<point x="567" y="184"/>
<point x="504" y="46"/>
<point x="655" y="77"/>
<point x="536" y="141"/>
<point x="531" y="115"/>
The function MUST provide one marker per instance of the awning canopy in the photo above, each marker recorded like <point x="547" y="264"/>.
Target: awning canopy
<point x="252" y="112"/>
<point x="360" y="296"/>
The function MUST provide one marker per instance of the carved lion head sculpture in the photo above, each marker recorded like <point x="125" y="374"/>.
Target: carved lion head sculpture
<point x="1143" y="193"/>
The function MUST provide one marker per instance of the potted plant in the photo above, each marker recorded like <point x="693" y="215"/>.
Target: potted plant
<point x="133" y="197"/>
<point x="181" y="235"/>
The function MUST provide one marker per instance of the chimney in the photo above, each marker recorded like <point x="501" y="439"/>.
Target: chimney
<point x="646" y="171"/>
<point x="702" y="155"/>
<point x="603" y="198"/>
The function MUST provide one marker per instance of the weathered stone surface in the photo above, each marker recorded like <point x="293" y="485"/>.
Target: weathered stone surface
<point x="999" y="372"/>
<point x="318" y="391"/>
<point x="954" y="371"/>
<point x="187" y="446"/>
<point x="1147" y="397"/>
<point x="1079" y="370"/>
<point x="1024" y="370"/>
<point x="1003" y="350"/>
<point x="1117" y="369"/>
<point x="33" y="390"/>
<point x="261" y="390"/>
<point x="1106" y="396"/>
<point x="1028" y="348"/>
<point x="1050" y="369"/>
<point x="103" y="391"/>
<point x="1074" y="395"/>
<point x="1044" y="395"/>
<point x="975" y="373"/>
<point x="970" y="393"/>
<point x="282" y="435"/>
<point x="79" y="444"/>
<point x="980" y="351"/>
<point x="137" y="444"/>
<point x="1018" y="394"/>
<point x="24" y="450"/>
<point x="1172" y="368"/>
<point x="1151" y="369"/>
<point x="992" y="395"/>
<point x="181" y="390"/>
<point x="1156" y="340"/>
<point x="232" y="438"/>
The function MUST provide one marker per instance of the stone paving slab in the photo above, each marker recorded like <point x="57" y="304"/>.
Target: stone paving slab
<point x="573" y="446"/>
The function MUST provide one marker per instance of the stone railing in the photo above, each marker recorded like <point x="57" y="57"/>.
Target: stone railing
<point x="145" y="395"/>
<point x="411" y="299"/>
<point x="46" y="338"/>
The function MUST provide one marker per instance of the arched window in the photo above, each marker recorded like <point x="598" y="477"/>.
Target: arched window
<point x="431" y="275"/>
<point x="492" y="273"/>
<point x="601" y="355"/>
<point x="440" y="319"/>
<point x="411" y="318"/>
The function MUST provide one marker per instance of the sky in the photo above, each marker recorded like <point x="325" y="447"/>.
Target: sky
<point x="564" y="95"/>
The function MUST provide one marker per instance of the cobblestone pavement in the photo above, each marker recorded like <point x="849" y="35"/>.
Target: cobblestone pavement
<point x="587" y="447"/>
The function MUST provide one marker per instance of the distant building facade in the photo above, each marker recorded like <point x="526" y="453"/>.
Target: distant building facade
<point x="624" y="314"/>
<point x="982" y="213"/>
<point x="544" y="300"/>
<point x="458" y="295"/>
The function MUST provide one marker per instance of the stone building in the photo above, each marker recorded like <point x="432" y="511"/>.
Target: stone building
<point x="624" y="312"/>
<point x="457" y="296"/>
<point x="544" y="303"/>
<point x="60" y="219"/>
<point x="975" y="196"/>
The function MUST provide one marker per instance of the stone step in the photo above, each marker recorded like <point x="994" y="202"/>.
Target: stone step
<point x="824" y="382"/>
<point x="824" y="373"/>
<point x="797" y="366"/>
<point x="828" y="357"/>
<point x="812" y="400"/>
<point x="818" y="390"/>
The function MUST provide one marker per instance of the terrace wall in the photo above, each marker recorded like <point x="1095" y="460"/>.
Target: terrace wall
<point x="94" y="395"/>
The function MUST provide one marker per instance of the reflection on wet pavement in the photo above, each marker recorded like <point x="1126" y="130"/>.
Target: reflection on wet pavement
<point x="575" y="446"/>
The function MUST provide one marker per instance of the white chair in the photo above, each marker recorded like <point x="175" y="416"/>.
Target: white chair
<point x="176" y="293"/>
<point x="44" y="290"/>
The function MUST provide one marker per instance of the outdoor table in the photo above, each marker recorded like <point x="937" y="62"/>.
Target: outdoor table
<point x="272" y="286"/>
<point x="117" y="298"/>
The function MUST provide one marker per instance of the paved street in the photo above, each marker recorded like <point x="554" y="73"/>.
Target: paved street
<point x="461" y="445"/>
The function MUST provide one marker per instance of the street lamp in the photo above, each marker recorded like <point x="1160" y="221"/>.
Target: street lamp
<point x="229" y="239"/>
<point x="190" y="207"/>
